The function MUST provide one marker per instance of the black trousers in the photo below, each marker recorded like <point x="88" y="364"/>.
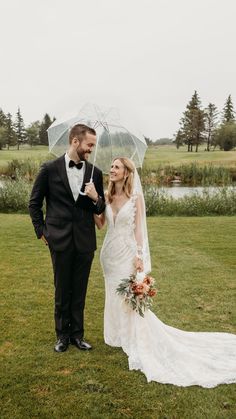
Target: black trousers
<point x="71" y="273"/>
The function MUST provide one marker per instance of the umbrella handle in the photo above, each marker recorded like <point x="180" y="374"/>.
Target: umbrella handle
<point x="83" y="193"/>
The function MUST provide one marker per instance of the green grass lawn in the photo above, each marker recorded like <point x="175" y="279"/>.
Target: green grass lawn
<point x="169" y="154"/>
<point x="194" y="264"/>
<point x="155" y="155"/>
<point x="26" y="152"/>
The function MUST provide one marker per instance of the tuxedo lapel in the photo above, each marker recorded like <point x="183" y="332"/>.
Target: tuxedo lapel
<point x="61" y="165"/>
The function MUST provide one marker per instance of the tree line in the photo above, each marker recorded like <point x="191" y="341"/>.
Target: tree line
<point x="198" y="126"/>
<point x="15" y="133"/>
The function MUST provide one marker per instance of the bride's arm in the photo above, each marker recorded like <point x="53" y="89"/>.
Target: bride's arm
<point x="138" y="231"/>
<point x="99" y="220"/>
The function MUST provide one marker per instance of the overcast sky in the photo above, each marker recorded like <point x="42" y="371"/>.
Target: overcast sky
<point x="144" y="56"/>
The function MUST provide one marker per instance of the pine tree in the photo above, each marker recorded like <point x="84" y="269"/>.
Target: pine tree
<point x="228" y="111"/>
<point x="10" y="135"/>
<point x="20" y="129"/>
<point x="3" y="118"/>
<point x="2" y="137"/>
<point x="32" y="133"/>
<point x="45" y="124"/>
<point x="193" y="123"/>
<point x="179" y="138"/>
<point x="211" y="115"/>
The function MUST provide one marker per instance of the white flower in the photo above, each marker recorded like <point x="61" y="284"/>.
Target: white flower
<point x="140" y="276"/>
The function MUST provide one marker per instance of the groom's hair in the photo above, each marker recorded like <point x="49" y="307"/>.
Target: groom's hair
<point x="79" y="131"/>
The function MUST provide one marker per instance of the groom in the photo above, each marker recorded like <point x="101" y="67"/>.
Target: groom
<point x="69" y="230"/>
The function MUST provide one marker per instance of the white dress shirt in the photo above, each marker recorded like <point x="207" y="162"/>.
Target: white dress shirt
<point x="75" y="177"/>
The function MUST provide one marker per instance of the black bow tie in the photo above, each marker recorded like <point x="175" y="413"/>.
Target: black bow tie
<point x="77" y="165"/>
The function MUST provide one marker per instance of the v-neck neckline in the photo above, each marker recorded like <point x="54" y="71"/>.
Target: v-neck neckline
<point x="114" y="218"/>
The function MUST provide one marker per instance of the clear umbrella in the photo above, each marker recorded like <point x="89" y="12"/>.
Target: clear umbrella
<point x="113" y="139"/>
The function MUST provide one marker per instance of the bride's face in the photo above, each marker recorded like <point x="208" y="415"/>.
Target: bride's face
<point x="117" y="171"/>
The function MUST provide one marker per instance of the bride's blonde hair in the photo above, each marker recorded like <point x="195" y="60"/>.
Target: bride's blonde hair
<point x="129" y="179"/>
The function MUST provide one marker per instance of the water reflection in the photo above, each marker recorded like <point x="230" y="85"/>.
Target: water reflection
<point x="178" y="191"/>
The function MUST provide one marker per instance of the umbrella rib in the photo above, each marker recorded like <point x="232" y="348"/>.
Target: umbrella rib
<point x="61" y="135"/>
<point x="114" y="136"/>
<point x="132" y="136"/>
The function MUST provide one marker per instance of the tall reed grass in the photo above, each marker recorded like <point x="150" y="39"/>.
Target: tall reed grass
<point x="26" y="168"/>
<point x="14" y="197"/>
<point x="188" y="174"/>
<point x="222" y="202"/>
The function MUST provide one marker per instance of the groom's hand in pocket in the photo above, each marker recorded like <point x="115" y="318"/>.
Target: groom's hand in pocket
<point x="44" y="240"/>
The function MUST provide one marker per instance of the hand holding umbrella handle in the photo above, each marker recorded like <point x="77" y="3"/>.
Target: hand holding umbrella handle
<point x="90" y="191"/>
<point x="91" y="178"/>
<point x="84" y="193"/>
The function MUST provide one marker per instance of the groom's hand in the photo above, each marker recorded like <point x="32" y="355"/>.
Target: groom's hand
<point x="91" y="191"/>
<point x="44" y="240"/>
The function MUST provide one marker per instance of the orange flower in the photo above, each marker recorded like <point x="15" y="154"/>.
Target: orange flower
<point x="138" y="293"/>
<point x="146" y="288"/>
<point x="148" y="280"/>
<point x="152" y="292"/>
<point x="138" y="288"/>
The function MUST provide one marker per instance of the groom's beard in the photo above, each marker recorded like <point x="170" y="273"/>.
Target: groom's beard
<point x="82" y="154"/>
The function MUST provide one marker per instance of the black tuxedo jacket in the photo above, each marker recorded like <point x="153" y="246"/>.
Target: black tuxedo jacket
<point x="66" y="220"/>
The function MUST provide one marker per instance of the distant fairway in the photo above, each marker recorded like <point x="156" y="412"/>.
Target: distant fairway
<point x="155" y="156"/>
<point x="168" y="154"/>
<point x="26" y="152"/>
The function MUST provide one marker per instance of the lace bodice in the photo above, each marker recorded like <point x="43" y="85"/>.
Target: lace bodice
<point x="120" y="247"/>
<point x="124" y="220"/>
<point x="124" y="232"/>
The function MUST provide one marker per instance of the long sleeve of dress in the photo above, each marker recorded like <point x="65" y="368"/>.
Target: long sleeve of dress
<point x="140" y="232"/>
<point x="139" y="226"/>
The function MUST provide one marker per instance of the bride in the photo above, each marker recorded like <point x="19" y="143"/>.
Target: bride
<point x="163" y="353"/>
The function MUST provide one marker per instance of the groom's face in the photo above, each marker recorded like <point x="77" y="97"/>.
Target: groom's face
<point x="85" y="146"/>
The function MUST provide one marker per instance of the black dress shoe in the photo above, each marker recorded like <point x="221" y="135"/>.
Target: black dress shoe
<point x="61" y="345"/>
<point x="80" y="344"/>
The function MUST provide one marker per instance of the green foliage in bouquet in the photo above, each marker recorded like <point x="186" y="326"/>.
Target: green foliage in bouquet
<point x="137" y="294"/>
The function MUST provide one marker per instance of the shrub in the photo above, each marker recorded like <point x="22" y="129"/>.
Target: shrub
<point x="188" y="174"/>
<point x="26" y="168"/>
<point x="222" y="202"/>
<point x="14" y="196"/>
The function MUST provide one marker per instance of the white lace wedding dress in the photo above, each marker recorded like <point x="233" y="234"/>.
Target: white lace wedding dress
<point x="163" y="353"/>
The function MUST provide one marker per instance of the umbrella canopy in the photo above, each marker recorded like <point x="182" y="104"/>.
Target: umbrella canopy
<point x="113" y="139"/>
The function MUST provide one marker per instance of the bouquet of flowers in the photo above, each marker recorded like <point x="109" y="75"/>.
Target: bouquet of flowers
<point x="137" y="291"/>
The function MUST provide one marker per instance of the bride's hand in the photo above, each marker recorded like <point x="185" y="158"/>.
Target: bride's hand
<point x="138" y="264"/>
<point x="99" y="220"/>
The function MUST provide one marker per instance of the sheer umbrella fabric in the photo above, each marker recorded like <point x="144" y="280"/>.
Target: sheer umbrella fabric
<point x="113" y="139"/>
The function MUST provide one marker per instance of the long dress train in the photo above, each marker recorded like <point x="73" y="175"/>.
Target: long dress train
<point x="163" y="353"/>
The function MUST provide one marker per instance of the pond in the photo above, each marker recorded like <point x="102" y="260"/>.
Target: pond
<point x="178" y="191"/>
